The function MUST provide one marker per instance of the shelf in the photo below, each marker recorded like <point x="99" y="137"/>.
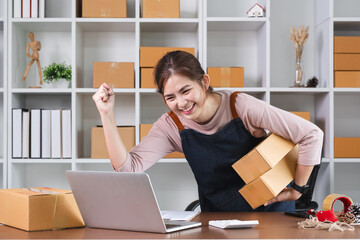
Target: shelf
<point x="172" y="26"/>
<point x="326" y="160"/>
<point x="106" y="26"/>
<point x="300" y="90"/>
<point x="244" y="89"/>
<point x="107" y="20"/>
<point x="116" y="90"/>
<point x="172" y="160"/>
<point x="169" y="20"/>
<point x="41" y="20"/>
<point x="235" y="24"/>
<point x="346" y="90"/>
<point x="41" y="26"/>
<point x="91" y="160"/>
<point x="346" y="160"/>
<point x="40" y="90"/>
<point x="41" y="160"/>
<point x="1" y="90"/>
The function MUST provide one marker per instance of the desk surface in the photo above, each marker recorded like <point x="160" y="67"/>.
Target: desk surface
<point x="271" y="225"/>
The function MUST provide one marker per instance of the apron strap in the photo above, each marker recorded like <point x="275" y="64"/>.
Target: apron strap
<point x="176" y="120"/>
<point x="232" y="104"/>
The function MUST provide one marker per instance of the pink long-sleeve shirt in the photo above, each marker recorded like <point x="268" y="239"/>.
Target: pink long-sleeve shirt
<point x="256" y="115"/>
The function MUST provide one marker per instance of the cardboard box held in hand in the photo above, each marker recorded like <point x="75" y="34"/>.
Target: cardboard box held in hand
<point x="267" y="169"/>
<point x="34" y="209"/>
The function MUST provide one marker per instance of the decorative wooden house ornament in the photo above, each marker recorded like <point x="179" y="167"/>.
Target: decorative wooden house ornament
<point x="256" y="11"/>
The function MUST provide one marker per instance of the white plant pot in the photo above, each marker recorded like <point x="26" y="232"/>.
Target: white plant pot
<point x="61" y="83"/>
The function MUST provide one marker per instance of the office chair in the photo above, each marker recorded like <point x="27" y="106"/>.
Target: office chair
<point x="303" y="204"/>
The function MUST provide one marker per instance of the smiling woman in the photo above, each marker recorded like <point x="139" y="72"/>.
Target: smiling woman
<point x="213" y="129"/>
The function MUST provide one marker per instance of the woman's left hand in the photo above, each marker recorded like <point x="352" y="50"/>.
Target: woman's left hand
<point x="287" y="194"/>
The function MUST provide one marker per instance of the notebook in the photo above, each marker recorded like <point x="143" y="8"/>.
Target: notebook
<point x="122" y="201"/>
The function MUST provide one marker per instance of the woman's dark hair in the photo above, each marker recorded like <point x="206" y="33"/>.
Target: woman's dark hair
<point x="177" y="62"/>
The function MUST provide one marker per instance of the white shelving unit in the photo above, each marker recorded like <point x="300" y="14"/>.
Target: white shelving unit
<point x="3" y="93"/>
<point x="222" y="35"/>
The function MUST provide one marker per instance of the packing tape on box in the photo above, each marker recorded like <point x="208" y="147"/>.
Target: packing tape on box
<point x="329" y="201"/>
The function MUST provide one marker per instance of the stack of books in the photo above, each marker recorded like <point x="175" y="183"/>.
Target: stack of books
<point x="40" y="133"/>
<point x="29" y="8"/>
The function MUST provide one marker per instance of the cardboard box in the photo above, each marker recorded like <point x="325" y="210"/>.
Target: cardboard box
<point x="160" y="8"/>
<point x="347" y="147"/>
<point x="347" y="62"/>
<point x="347" y="79"/>
<point x="34" y="209"/>
<point x="104" y="8"/>
<point x="305" y="115"/>
<point x="144" y="130"/>
<point x="226" y="76"/>
<point x="271" y="183"/>
<point x="263" y="157"/>
<point x="116" y="74"/>
<point x="147" y="78"/>
<point x="149" y="56"/>
<point x="346" y="44"/>
<point x="98" y="144"/>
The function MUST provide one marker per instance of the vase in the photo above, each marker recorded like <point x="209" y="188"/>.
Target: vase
<point x="299" y="72"/>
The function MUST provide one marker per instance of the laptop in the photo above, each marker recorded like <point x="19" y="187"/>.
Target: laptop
<point x="121" y="201"/>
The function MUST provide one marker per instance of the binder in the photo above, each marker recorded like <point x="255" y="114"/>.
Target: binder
<point x="25" y="133"/>
<point x="66" y="133"/>
<point x="46" y="134"/>
<point x="26" y="9"/>
<point x="34" y="8"/>
<point x="16" y="132"/>
<point x="35" y="133"/>
<point x="56" y="133"/>
<point x="17" y="8"/>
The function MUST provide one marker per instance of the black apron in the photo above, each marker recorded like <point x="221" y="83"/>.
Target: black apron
<point x="211" y="157"/>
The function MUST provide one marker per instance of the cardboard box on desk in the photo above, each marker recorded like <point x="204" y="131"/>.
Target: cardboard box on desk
<point x="226" y="76"/>
<point x="116" y="74"/>
<point x="160" y="8"/>
<point x="347" y="147"/>
<point x="98" y="144"/>
<point x="149" y="56"/>
<point x="144" y="130"/>
<point x="271" y="183"/>
<point x="34" y="209"/>
<point x="104" y="8"/>
<point x="263" y="157"/>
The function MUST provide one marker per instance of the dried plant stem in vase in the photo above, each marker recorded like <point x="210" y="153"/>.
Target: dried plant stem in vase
<point x="299" y="37"/>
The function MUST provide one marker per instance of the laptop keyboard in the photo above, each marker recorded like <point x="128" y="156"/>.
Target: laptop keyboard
<point x="171" y="226"/>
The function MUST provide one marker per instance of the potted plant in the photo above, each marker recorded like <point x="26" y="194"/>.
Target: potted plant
<point x="57" y="75"/>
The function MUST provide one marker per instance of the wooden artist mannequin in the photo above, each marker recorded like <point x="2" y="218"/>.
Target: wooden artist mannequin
<point x="35" y="47"/>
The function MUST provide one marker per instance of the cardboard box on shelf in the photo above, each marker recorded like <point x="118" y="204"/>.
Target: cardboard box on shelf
<point x="346" y="147"/>
<point x="144" y="130"/>
<point x="347" y="62"/>
<point x="160" y="8"/>
<point x="98" y="144"/>
<point x="147" y="78"/>
<point x="305" y="115"/>
<point x="346" y="44"/>
<point x="226" y="76"/>
<point x="347" y="79"/>
<point x="263" y="157"/>
<point x="104" y="8"/>
<point x="40" y="208"/>
<point x="149" y="56"/>
<point x="116" y="74"/>
<point x="271" y="183"/>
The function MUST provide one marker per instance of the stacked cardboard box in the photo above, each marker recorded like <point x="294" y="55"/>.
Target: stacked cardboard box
<point x="116" y="74"/>
<point x="347" y="147"/>
<point x="267" y="169"/>
<point x="98" y="144"/>
<point x="305" y="115"/>
<point x="104" y="8"/>
<point x="34" y="209"/>
<point x="144" y="130"/>
<point x="346" y="61"/>
<point x="226" y="76"/>
<point x="160" y="8"/>
<point x="149" y="56"/>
